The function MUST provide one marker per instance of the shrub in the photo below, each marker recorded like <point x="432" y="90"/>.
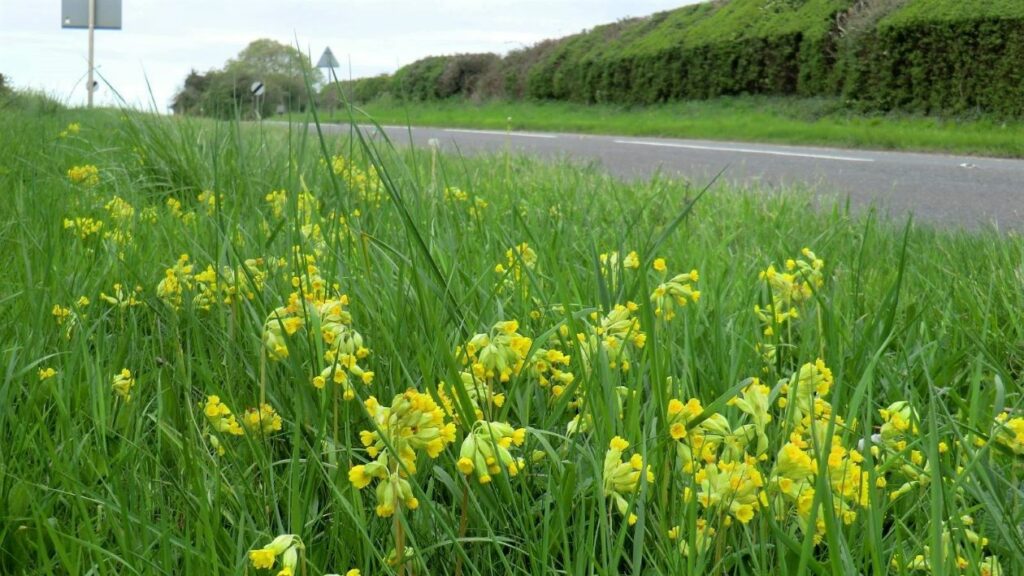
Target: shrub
<point x="941" y="56"/>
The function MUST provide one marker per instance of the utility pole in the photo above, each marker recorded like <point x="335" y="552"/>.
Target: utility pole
<point x="91" y="15"/>
<point x="92" y="47"/>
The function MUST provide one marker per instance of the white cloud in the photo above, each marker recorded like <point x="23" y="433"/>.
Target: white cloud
<point x="163" y="40"/>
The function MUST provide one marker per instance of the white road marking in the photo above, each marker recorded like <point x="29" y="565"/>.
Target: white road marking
<point x="499" y="133"/>
<point x="746" y="151"/>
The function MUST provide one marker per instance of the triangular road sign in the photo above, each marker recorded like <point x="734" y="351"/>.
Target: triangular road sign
<point x="327" y="60"/>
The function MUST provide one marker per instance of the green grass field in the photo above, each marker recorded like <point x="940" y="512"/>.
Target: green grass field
<point x="236" y="351"/>
<point x="824" y="122"/>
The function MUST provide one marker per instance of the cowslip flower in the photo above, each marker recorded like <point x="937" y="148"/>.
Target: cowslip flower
<point x="1009" y="433"/>
<point x="615" y="336"/>
<point x="287" y="546"/>
<point x="84" y="227"/>
<point x="611" y="263"/>
<point x="209" y="200"/>
<point x="263" y="421"/>
<point x="119" y="209"/>
<point x="551" y="369"/>
<point x="481" y="396"/>
<point x="621" y="479"/>
<point x="121" y="298"/>
<point x="123" y="383"/>
<point x="518" y="260"/>
<point x="677" y="291"/>
<point x="220" y="417"/>
<point x="72" y="129"/>
<point x="789" y="290"/>
<point x="485" y="451"/>
<point x="413" y="422"/>
<point x="498" y="355"/>
<point x="86" y="175"/>
<point x="60" y="313"/>
<point x="277" y="200"/>
<point x="733" y="488"/>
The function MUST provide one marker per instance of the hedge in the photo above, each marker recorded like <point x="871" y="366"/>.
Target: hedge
<point x="918" y="55"/>
<point x="701" y="51"/>
<point x="935" y="64"/>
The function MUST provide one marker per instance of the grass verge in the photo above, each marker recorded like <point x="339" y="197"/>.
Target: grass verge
<point x="228" y="349"/>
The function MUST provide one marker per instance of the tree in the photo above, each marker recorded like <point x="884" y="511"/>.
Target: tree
<point x="282" y="69"/>
<point x="189" y="100"/>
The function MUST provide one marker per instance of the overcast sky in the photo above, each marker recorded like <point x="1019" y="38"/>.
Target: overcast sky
<point x="162" y="40"/>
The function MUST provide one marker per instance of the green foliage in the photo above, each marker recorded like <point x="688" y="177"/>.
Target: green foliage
<point x="954" y="10"/>
<point x="226" y="92"/>
<point x="440" y="77"/>
<point x="93" y="484"/>
<point x="700" y="51"/>
<point x="937" y="57"/>
<point x="29" y="102"/>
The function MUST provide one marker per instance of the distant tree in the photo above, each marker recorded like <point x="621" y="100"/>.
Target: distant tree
<point x="189" y="100"/>
<point x="4" y="85"/>
<point x="225" y="92"/>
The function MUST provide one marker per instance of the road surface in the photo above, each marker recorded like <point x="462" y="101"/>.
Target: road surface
<point x="941" y="189"/>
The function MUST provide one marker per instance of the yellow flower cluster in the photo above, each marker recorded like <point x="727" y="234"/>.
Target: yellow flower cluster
<point x="485" y="451"/>
<point x="675" y="291"/>
<point x="481" y="395"/>
<point x="365" y="183"/>
<point x="621" y="478"/>
<point x="789" y="289"/>
<point x="73" y="129"/>
<point x="612" y="264"/>
<point x="87" y="175"/>
<point x="512" y="272"/>
<point x="209" y="201"/>
<point x="1009" y="433"/>
<point x="123" y="383"/>
<point x="551" y="369"/>
<point x="457" y="195"/>
<point x="498" y="355"/>
<point x="210" y="287"/>
<point x="413" y="422"/>
<point x="287" y="546"/>
<point x="220" y="417"/>
<point x="83" y="227"/>
<point x="277" y="200"/>
<point x="263" y="421"/>
<point x="121" y="298"/>
<point x="615" y="338"/>
<point x="119" y="209"/>
<point x="174" y="208"/>
<point x="342" y="344"/>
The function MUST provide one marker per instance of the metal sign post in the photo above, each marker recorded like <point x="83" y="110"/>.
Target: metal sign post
<point x="258" y="88"/>
<point x="92" y="48"/>
<point x="327" y="60"/>
<point x="92" y="15"/>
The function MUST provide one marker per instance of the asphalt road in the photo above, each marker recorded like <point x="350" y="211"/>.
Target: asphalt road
<point x="941" y="189"/>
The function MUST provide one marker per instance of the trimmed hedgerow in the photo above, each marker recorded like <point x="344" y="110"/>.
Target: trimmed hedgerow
<point x="739" y="47"/>
<point x="941" y="56"/>
<point x="919" y="55"/>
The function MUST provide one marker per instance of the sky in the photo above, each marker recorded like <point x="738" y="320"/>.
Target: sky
<point x="162" y="40"/>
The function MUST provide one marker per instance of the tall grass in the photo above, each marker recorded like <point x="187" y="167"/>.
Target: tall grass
<point x="91" y="483"/>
